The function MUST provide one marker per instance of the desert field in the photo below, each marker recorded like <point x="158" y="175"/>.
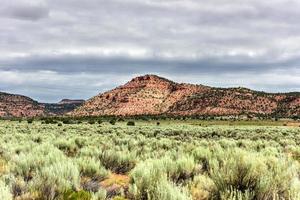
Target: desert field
<point x="140" y="160"/>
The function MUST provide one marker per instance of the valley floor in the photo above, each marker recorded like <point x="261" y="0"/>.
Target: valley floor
<point x="169" y="160"/>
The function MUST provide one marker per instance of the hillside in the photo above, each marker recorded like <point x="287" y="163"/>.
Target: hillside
<point x="12" y="105"/>
<point x="154" y="95"/>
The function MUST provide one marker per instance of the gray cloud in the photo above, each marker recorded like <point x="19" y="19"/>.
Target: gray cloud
<point x="217" y="42"/>
<point x="24" y="10"/>
<point x="122" y="64"/>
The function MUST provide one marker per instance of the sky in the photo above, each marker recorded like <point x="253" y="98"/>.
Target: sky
<point x="55" y="49"/>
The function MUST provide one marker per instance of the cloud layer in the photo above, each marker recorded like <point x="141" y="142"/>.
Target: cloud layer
<point x="53" y="49"/>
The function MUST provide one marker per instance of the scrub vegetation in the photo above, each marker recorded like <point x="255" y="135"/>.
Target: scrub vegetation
<point x="156" y="160"/>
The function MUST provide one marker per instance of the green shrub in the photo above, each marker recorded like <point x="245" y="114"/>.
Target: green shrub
<point x="50" y="121"/>
<point x="55" y="179"/>
<point x="182" y="169"/>
<point x="90" y="151"/>
<point x="130" y="123"/>
<point x="38" y="140"/>
<point x="239" y="173"/>
<point x="80" y="142"/>
<point x="92" y="168"/>
<point x="91" y="122"/>
<point x="28" y="164"/>
<point x="68" y="147"/>
<point x="5" y="192"/>
<point x="72" y="195"/>
<point x="202" y="187"/>
<point x="67" y="121"/>
<point x="119" y="198"/>
<point x="112" y="122"/>
<point x="203" y="156"/>
<point x="149" y="181"/>
<point x="209" y="162"/>
<point x="100" y="195"/>
<point x="237" y="195"/>
<point x="18" y="187"/>
<point x="118" y="161"/>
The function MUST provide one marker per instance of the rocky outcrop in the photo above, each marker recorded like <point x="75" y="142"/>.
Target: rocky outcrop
<point x="154" y="95"/>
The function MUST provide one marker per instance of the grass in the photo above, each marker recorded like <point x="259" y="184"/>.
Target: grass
<point x="5" y="193"/>
<point x="3" y="166"/>
<point x="192" y="159"/>
<point x="116" y="179"/>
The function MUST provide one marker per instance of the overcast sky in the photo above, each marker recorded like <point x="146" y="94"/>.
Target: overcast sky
<point x="54" y="49"/>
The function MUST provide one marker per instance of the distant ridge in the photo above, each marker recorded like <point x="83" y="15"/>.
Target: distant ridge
<point x="62" y="107"/>
<point x="13" y="105"/>
<point x="154" y="95"/>
<point x="71" y="101"/>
